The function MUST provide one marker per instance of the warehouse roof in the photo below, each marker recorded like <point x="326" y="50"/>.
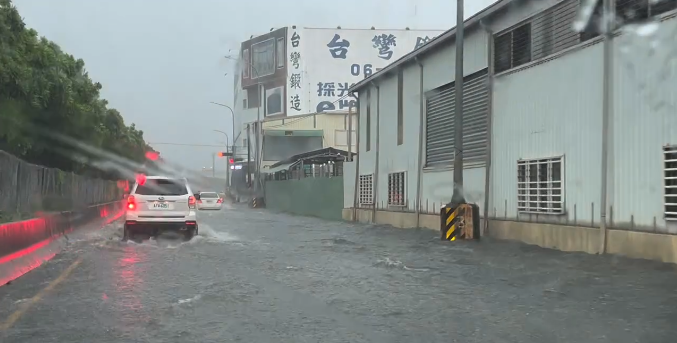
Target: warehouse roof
<point x="446" y="37"/>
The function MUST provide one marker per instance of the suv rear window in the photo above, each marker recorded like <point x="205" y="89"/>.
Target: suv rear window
<point x="211" y="195"/>
<point x="162" y="187"/>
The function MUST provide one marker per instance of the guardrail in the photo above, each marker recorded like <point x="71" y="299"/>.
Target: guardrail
<point x="25" y="245"/>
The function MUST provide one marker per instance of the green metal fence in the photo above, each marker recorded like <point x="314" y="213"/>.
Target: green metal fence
<point x="320" y="197"/>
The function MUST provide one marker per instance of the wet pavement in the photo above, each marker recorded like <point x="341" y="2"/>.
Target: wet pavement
<point x="256" y="276"/>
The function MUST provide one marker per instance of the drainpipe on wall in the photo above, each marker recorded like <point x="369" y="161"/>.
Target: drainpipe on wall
<point x="607" y="111"/>
<point x="378" y="130"/>
<point x="357" y="163"/>
<point x="490" y="115"/>
<point x="421" y="133"/>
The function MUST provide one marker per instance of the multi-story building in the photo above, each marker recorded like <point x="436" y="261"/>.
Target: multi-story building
<point x="545" y="109"/>
<point x="290" y="77"/>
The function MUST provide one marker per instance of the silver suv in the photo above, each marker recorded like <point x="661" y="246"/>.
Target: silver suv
<point x="157" y="204"/>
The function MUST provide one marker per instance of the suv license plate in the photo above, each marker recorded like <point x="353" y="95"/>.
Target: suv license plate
<point x="161" y="205"/>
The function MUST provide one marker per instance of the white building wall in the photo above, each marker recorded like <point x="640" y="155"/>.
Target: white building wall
<point x="436" y="184"/>
<point x="367" y="158"/>
<point x="645" y="119"/>
<point x="555" y="108"/>
<point x="550" y="110"/>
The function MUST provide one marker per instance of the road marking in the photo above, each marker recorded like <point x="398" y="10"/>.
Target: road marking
<point x="27" y="305"/>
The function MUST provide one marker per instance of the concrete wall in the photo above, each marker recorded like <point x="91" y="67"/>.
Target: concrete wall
<point x="317" y="197"/>
<point x="657" y="247"/>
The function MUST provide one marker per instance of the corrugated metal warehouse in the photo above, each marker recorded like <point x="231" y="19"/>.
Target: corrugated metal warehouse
<point x="534" y="102"/>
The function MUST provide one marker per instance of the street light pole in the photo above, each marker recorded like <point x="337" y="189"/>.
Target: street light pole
<point x="228" y="160"/>
<point x="232" y="115"/>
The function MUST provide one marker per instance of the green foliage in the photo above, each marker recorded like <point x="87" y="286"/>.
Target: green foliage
<point x="44" y="90"/>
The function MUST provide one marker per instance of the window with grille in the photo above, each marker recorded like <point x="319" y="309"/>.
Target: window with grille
<point x="637" y="11"/>
<point x="540" y="185"/>
<point x="512" y="48"/>
<point x="670" y="172"/>
<point x="366" y="189"/>
<point x="396" y="189"/>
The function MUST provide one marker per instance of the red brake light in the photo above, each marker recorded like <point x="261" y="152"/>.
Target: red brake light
<point x="191" y="202"/>
<point x="220" y="200"/>
<point x="131" y="202"/>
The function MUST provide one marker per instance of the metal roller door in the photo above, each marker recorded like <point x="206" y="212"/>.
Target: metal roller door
<point x="440" y="111"/>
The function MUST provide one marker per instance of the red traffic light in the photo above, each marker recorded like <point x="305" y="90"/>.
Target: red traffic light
<point x="140" y="179"/>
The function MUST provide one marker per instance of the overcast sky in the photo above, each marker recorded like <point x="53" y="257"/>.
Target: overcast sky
<point x="160" y="61"/>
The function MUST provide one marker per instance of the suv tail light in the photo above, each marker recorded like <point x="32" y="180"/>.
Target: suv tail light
<point x="220" y="200"/>
<point x="191" y="202"/>
<point x="131" y="203"/>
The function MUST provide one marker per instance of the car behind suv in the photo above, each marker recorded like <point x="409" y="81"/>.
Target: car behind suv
<point x="157" y="204"/>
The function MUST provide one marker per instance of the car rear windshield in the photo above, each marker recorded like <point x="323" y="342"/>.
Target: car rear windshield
<point x="166" y="187"/>
<point x="209" y="195"/>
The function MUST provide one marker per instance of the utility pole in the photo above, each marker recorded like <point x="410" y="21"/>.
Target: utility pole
<point x="350" y="133"/>
<point x="458" y="197"/>
<point x="249" y="157"/>
<point x="258" y="137"/>
<point x="609" y="26"/>
<point x="213" y="164"/>
<point x="232" y="116"/>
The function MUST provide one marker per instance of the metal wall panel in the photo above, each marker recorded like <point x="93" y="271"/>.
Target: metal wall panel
<point x="644" y="120"/>
<point x="440" y="114"/>
<point x="549" y="110"/>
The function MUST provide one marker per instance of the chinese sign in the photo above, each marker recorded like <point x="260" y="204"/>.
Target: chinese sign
<point x="295" y="74"/>
<point x="332" y="60"/>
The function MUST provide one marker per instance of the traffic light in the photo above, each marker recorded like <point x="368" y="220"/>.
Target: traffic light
<point x="224" y="154"/>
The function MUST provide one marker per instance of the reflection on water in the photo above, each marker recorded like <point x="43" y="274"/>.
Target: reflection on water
<point x="129" y="286"/>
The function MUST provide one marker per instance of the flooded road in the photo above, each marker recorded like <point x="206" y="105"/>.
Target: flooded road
<point x="256" y="276"/>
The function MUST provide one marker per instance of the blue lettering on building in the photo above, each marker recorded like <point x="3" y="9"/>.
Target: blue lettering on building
<point x="295" y="81"/>
<point x="420" y="41"/>
<point x="326" y="89"/>
<point x="335" y="89"/>
<point x="295" y="103"/>
<point x="295" y="40"/>
<point x="294" y="58"/>
<point x="384" y="43"/>
<point x="338" y="47"/>
<point x="366" y="69"/>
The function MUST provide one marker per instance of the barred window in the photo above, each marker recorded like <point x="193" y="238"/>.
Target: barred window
<point x="632" y="11"/>
<point x="397" y="189"/>
<point x="366" y="189"/>
<point x="540" y="185"/>
<point x="513" y="48"/>
<point x="670" y="172"/>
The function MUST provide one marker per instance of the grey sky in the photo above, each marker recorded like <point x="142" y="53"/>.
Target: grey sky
<point x="160" y="61"/>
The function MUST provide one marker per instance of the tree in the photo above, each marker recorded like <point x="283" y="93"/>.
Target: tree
<point x="44" y="91"/>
